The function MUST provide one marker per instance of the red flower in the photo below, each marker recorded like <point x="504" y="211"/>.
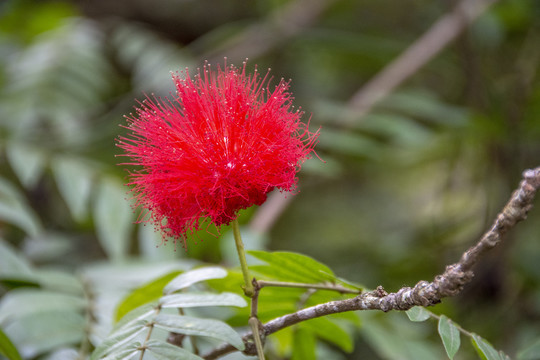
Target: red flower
<point x="220" y="145"/>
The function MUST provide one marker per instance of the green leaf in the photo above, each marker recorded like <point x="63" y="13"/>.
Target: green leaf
<point x="48" y="247"/>
<point x="532" y="352"/>
<point x="151" y="244"/>
<point x="165" y="351"/>
<point x="48" y="279"/>
<point x="11" y="262"/>
<point x="41" y="332"/>
<point x="58" y="280"/>
<point x="7" y="349"/>
<point x="14" y="282"/>
<point x="391" y="336"/>
<point x="199" y="327"/>
<point x="21" y="216"/>
<point x="113" y="217"/>
<point x="349" y="143"/>
<point x="15" y="210"/>
<point x="15" y="270"/>
<point x="303" y="344"/>
<point x="400" y="130"/>
<point x="119" y="340"/>
<point x="191" y="277"/>
<point x="24" y="302"/>
<point x="426" y="106"/>
<point x="124" y="353"/>
<point x="148" y="292"/>
<point x="484" y="349"/>
<point x="233" y="281"/>
<point x="328" y="330"/>
<point x="64" y="353"/>
<point x="290" y="266"/>
<point x="449" y="336"/>
<point x="134" y="316"/>
<point x="26" y="161"/>
<point x="74" y="179"/>
<point x="417" y="314"/>
<point x="201" y="299"/>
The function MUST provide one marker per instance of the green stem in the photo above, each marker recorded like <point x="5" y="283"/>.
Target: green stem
<point x="248" y="287"/>
<point x="151" y="328"/>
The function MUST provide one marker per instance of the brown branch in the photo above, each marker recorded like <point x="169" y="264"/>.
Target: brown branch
<point x="424" y="293"/>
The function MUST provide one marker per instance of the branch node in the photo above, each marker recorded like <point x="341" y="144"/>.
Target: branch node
<point x="380" y="292"/>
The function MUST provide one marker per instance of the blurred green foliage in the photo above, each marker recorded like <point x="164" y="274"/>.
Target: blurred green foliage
<point x="403" y="191"/>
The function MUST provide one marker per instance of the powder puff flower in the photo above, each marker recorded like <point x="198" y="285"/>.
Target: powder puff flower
<point x="218" y="146"/>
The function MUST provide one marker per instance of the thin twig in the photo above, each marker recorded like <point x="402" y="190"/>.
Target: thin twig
<point x="460" y="329"/>
<point x="255" y="329"/>
<point x="150" y="326"/>
<point x="331" y="287"/>
<point x="424" y="293"/>
<point x="254" y="322"/>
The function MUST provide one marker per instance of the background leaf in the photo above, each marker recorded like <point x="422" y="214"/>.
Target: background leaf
<point x="531" y="352"/>
<point x="27" y="162"/>
<point x="74" y="179"/>
<point x="114" y="218"/>
<point x="37" y="333"/>
<point x="417" y="314"/>
<point x="14" y="209"/>
<point x="7" y="348"/>
<point x="120" y="340"/>
<point x="165" y="351"/>
<point x="449" y="336"/>
<point x="292" y="267"/>
<point x="391" y="336"/>
<point x="330" y="331"/>
<point x="304" y="344"/>
<point x="191" y="277"/>
<point x="144" y="294"/>
<point x="12" y="262"/>
<point x="484" y="349"/>
<point x="198" y="299"/>
<point x="200" y="327"/>
<point x="25" y="302"/>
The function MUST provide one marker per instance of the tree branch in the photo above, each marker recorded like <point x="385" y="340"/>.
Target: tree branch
<point x="424" y="293"/>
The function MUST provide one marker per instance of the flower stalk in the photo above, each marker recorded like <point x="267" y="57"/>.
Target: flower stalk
<point x="248" y="286"/>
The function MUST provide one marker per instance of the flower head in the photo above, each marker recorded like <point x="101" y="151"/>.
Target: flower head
<point x="218" y="146"/>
